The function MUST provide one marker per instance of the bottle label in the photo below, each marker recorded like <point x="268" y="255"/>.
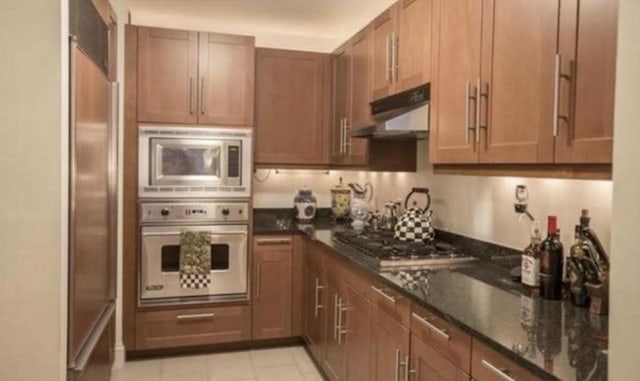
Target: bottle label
<point x="530" y="271"/>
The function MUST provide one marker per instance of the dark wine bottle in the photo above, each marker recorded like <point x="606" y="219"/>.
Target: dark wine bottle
<point x="551" y="263"/>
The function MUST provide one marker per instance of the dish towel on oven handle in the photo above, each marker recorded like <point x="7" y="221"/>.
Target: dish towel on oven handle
<point x="195" y="259"/>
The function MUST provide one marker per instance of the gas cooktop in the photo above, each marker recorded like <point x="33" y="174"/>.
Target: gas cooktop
<point x="390" y="252"/>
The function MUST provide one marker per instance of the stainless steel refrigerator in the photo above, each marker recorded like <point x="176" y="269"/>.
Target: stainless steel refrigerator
<point x="93" y="197"/>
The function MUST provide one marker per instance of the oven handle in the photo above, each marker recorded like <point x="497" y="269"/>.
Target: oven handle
<point x="162" y="234"/>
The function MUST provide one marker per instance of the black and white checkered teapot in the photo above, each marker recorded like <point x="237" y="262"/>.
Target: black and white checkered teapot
<point x="415" y="225"/>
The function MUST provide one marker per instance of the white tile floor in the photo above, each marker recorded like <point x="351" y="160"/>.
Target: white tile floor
<point x="275" y="364"/>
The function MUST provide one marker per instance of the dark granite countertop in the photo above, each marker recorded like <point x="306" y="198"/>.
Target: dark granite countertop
<point x="553" y="339"/>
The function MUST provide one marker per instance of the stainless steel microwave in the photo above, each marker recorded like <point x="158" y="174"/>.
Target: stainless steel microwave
<point x="194" y="162"/>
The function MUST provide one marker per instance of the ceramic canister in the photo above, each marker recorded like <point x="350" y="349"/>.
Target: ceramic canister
<point x="305" y="205"/>
<point x="340" y="200"/>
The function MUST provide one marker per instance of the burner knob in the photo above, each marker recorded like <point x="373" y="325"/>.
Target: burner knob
<point x="164" y="211"/>
<point x="225" y="211"/>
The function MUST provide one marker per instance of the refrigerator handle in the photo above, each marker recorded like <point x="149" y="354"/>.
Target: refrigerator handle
<point x="80" y="363"/>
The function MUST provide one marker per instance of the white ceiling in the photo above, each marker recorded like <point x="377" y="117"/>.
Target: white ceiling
<point x="297" y="24"/>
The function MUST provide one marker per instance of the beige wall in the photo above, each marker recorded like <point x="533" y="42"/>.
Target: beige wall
<point x="625" y="269"/>
<point x="33" y="193"/>
<point x="480" y="207"/>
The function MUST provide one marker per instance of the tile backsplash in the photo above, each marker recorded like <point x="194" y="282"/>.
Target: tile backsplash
<point x="478" y="207"/>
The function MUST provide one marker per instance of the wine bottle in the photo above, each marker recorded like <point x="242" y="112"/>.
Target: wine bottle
<point x="551" y="263"/>
<point x="531" y="258"/>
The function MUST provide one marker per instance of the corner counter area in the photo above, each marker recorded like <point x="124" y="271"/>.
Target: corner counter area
<point x="362" y="322"/>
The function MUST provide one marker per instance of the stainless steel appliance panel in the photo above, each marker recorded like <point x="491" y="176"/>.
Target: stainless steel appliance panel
<point x="159" y="278"/>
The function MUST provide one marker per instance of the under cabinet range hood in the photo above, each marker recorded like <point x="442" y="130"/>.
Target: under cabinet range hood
<point x="404" y="115"/>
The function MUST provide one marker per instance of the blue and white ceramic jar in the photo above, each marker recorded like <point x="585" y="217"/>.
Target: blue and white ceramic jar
<point x="305" y="205"/>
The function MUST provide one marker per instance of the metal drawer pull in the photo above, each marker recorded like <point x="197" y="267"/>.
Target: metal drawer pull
<point x="191" y="79"/>
<point x="202" y="95"/>
<point x="209" y="315"/>
<point x="383" y="294"/>
<point x="439" y="331"/>
<point x="500" y="372"/>
<point x="397" y="365"/>
<point x="273" y="241"/>
<point x="317" y="296"/>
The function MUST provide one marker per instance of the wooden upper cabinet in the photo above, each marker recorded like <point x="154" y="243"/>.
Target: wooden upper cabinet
<point x="383" y="34"/>
<point x="167" y="74"/>
<point x="413" y="44"/>
<point x="341" y="99"/>
<point x="518" y="55"/>
<point x="292" y="107"/>
<point x="189" y="77"/>
<point x="360" y="55"/>
<point x="226" y="80"/>
<point x="456" y="71"/>
<point x="587" y="58"/>
<point x="272" y="280"/>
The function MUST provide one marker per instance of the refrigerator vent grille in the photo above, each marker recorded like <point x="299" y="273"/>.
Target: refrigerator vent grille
<point x="91" y="32"/>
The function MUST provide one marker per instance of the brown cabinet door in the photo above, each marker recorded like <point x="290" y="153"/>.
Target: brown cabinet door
<point x="389" y="348"/>
<point x="383" y="35"/>
<point x="429" y="365"/>
<point x="167" y="74"/>
<point x="356" y="333"/>
<point x="272" y="279"/>
<point x="314" y="301"/>
<point x="413" y="51"/>
<point x="360" y="95"/>
<point x="456" y="71"/>
<point x="291" y="107"/>
<point x="334" y="354"/>
<point x="341" y="98"/>
<point x="518" y="55"/>
<point x="226" y="79"/>
<point x="587" y="53"/>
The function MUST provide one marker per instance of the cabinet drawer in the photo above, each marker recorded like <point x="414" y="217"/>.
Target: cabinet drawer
<point x="272" y="242"/>
<point x="391" y="302"/>
<point x="194" y="326"/>
<point x="450" y="341"/>
<point x="488" y="365"/>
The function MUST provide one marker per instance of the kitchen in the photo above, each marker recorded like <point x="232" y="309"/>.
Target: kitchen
<point x="418" y="141"/>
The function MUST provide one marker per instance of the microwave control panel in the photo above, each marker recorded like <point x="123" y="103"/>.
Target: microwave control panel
<point x="204" y="211"/>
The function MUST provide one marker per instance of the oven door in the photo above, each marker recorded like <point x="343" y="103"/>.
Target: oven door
<point x="160" y="262"/>
<point x="189" y="162"/>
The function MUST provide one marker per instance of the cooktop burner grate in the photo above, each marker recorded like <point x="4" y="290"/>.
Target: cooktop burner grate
<point x="389" y="252"/>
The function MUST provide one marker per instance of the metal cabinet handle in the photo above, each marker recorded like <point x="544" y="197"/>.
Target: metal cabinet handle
<point x="479" y="95"/>
<point x="407" y="370"/>
<point x="439" y="331"/>
<point x="467" y="111"/>
<point x="388" y="59"/>
<point x="556" y="93"/>
<point x="317" y="297"/>
<point x="258" y="276"/>
<point x="335" y="316"/>
<point x="209" y="315"/>
<point x="342" y="309"/>
<point x="500" y="372"/>
<point x="341" y="135"/>
<point x="395" y="42"/>
<point x="397" y="365"/>
<point x="82" y="359"/>
<point x="273" y="241"/>
<point x="384" y="294"/>
<point x="347" y="142"/>
<point x="191" y="80"/>
<point x="202" y="95"/>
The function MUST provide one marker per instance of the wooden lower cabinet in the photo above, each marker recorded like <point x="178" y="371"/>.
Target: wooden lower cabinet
<point x="427" y="364"/>
<point x="314" y="300"/>
<point x="192" y="326"/>
<point x="334" y="350"/>
<point x="389" y="354"/>
<point x="356" y="324"/>
<point x="272" y="292"/>
<point x="488" y="365"/>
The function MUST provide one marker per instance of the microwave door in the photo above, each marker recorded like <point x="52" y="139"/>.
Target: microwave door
<point x="185" y="162"/>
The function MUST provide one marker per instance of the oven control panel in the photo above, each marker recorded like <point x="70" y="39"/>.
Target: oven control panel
<point x="194" y="211"/>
